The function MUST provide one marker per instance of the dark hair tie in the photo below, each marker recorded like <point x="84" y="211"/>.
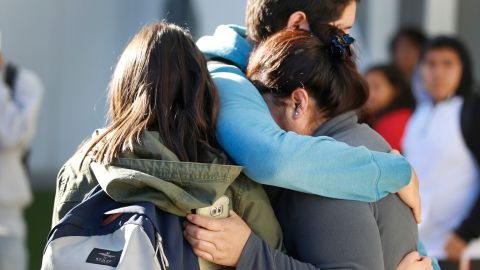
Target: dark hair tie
<point x="339" y="45"/>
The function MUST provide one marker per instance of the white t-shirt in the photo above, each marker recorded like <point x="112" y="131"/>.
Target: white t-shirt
<point x="447" y="171"/>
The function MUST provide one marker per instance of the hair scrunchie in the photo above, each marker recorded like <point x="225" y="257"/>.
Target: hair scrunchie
<point x="341" y="45"/>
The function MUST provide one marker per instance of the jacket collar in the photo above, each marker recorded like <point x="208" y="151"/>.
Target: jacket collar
<point x="152" y="172"/>
<point x="337" y="124"/>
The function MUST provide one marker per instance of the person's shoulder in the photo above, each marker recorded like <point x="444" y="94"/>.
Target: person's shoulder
<point x="245" y="190"/>
<point x="225" y="70"/>
<point x="363" y="135"/>
<point x="77" y="167"/>
<point x="27" y="74"/>
<point x="230" y="78"/>
<point x="244" y="184"/>
<point x="26" y="78"/>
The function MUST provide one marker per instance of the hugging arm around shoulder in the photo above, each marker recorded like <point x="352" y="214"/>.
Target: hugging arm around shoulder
<point x="316" y="165"/>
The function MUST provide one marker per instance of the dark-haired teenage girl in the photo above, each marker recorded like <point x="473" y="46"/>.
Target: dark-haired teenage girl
<point x="159" y="144"/>
<point x="439" y="142"/>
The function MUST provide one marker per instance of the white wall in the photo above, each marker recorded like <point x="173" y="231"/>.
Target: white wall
<point x="214" y="12"/>
<point x="381" y="23"/>
<point x="73" y="45"/>
<point x="441" y="16"/>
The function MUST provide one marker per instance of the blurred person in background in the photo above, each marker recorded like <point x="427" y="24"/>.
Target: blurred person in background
<point x="438" y="142"/>
<point x="20" y="98"/>
<point x="390" y="103"/>
<point x="405" y="49"/>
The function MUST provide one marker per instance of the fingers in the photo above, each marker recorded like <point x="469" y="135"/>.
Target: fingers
<point x="413" y="260"/>
<point x="204" y="255"/>
<point x="200" y="245"/>
<point x="205" y="222"/>
<point x="199" y="232"/>
<point x="234" y="218"/>
<point x="413" y="256"/>
<point x="426" y="263"/>
<point x="427" y="260"/>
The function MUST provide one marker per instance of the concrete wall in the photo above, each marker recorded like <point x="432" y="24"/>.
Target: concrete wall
<point x="73" y="46"/>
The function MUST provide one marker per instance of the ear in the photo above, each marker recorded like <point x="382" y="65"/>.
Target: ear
<point x="300" y="99"/>
<point x="298" y="20"/>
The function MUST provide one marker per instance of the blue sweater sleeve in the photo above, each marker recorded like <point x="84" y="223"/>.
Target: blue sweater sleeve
<point x="316" y="165"/>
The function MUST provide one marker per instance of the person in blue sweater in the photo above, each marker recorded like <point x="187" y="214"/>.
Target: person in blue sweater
<point x="272" y="156"/>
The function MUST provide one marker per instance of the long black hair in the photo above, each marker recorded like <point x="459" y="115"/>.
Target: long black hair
<point x="467" y="82"/>
<point x="160" y="83"/>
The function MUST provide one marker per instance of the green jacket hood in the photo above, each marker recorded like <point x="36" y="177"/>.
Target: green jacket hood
<point x="151" y="172"/>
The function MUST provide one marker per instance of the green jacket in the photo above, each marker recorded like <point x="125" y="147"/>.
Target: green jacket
<point x="153" y="173"/>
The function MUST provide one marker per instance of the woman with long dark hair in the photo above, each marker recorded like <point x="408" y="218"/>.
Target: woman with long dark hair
<point x="159" y="144"/>
<point x="437" y="145"/>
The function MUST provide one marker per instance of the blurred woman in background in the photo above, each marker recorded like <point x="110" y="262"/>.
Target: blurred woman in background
<point x="405" y="49"/>
<point x="390" y="103"/>
<point x="435" y="144"/>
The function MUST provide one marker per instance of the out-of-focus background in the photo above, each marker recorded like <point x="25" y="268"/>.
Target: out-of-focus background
<point x="73" y="46"/>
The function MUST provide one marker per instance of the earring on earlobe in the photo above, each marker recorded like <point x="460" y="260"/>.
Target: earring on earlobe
<point x="297" y="107"/>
